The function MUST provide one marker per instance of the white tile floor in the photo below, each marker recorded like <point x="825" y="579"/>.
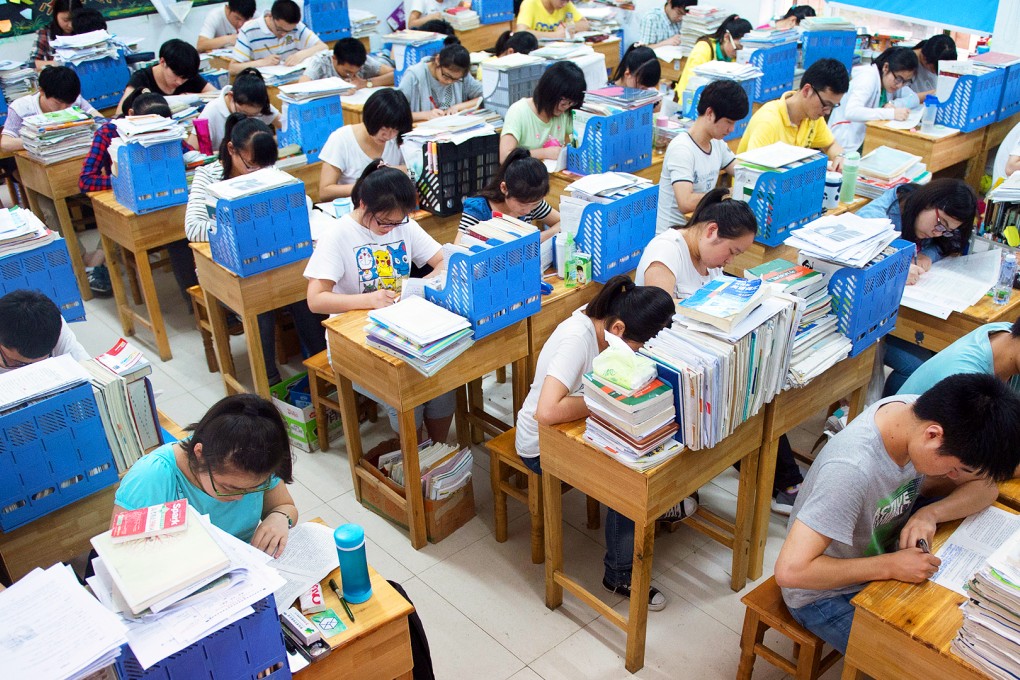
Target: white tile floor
<point x="481" y="601"/>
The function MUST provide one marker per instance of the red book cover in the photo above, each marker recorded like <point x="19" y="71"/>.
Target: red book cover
<point x="155" y="520"/>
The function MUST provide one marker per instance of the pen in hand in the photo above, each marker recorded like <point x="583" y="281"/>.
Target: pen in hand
<point x="923" y="545"/>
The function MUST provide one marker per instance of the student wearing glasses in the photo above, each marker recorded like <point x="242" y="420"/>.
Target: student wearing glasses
<point x="32" y="329"/>
<point x="661" y="26"/>
<point x="350" y="61"/>
<point x="442" y="85"/>
<point x="722" y="45"/>
<point x="277" y="37"/>
<point x="542" y="123"/>
<point x="230" y="469"/>
<point x="878" y="91"/>
<point x="798" y="118"/>
<point x="938" y="217"/>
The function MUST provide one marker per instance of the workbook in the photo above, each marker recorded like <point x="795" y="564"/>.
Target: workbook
<point x="724" y="302"/>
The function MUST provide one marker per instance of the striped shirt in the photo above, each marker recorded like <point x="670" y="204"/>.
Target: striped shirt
<point x="477" y="209"/>
<point x="197" y="223"/>
<point x="656" y="27"/>
<point x="256" y="41"/>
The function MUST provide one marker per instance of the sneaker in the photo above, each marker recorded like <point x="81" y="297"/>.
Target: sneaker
<point x="99" y="281"/>
<point x="656" y="600"/>
<point x="782" y="502"/>
<point x="671" y="519"/>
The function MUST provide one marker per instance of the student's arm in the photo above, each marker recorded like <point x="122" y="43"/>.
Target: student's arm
<point x="322" y="299"/>
<point x="197" y="223"/>
<point x="835" y="153"/>
<point x="508" y="142"/>
<point x="10" y="144"/>
<point x="552" y="223"/>
<point x="314" y="45"/>
<point x="1012" y="165"/>
<point x="701" y="54"/>
<point x="93" y="177"/>
<point x="966" y="499"/>
<point x="855" y="102"/>
<point x="329" y="188"/>
<point x="235" y="67"/>
<point x="208" y="87"/>
<point x="271" y="535"/>
<point x="209" y="44"/>
<point x="120" y="105"/>
<point x="660" y="276"/>
<point x="556" y="405"/>
<point x="686" y="198"/>
<point x="385" y="77"/>
<point x="416" y="18"/>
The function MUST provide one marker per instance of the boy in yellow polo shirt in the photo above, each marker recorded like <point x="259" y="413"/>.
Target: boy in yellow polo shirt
<point x="797" y="117"/>
<point x="550" y="18"/>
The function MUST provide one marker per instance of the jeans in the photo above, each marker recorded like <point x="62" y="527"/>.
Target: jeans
<point x="903" y="358"/>
<point x="309" y="331"/>
<point x="619" y="538"/>
<point x="829" y="619"/>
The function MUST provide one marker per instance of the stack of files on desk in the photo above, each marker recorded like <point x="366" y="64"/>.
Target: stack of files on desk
<point x="444" y="468"/>
<point x="16" y="79"/>
<point x="421" y="333"/>
<point x="562" y="50"/>
<point x="76" y="49"/>
<point x="700" y="20"/>
<point x="40" y="380"/>
<point x="146" y="130"/>
<point x="280" y="74"/>
<point x="603" y="187"/>
<point x="847" y="239"/>
<point x="616" y="98"/>
<point x="89" y="641"/>
<point x="768" y="37"/>
<point x="316" y="89"/>
<point x="462" y="18"/>
<point x="604" y="20"/>
<point x="717" y="70"/>
<point x="173" y="590"/>
<point x="1007" y="191"/>
<point x="833" y="23"/>
<point x="776" y="157"/>
<point x="954" y="283"/>
<point x="362" y="23"/>
<point x="57" y="136"/>
<point x="887" y="163"/>
<point x="21" y="230"/>
<point x="870" y="186"/>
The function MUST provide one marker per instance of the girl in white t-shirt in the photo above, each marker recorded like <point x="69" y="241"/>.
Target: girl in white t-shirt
<point x="349" y="150"/>
<point x="359" y="264"/>
<point x="683" y="259"/>
<point x="633" y="313"/>
<point x="248" y="95"/>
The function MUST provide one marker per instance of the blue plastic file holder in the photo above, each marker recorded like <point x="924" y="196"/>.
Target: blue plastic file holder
<point x="328" y="19"/>
<point x="217" y="80"/>
<point x="619" y="142"/>
<point x="493" y="287"/>
<point x="150" y="177"/>
<point x="974" y="102"/>
<point x="48" y="270"/>
<point x="412" y="55"/>
<point x="1010" y="100"/>
<point x="494" y="11"/>
<point x="241" y="651"/>
<point x="867" y="301"/>
<point x="616" y="233"/>
<point x="777" y="65"/>
<point x="741" y="125"/>
<point x="838" y="45"/>
<point x="3" y="109"/>
<point x="783" y="201"/>
<point x="102" y="80"/>
<point x="263" y="231"/>
<point x="513" y="84"/>
<point x="52" y="453"/>
<point x="309" y="124"/>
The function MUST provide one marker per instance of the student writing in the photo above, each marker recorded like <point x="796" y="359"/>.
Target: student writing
<point x="541" y="123"/>
<point x="550" y="18"/>
<point x="277" y="37"/>
<point x="176" y="73"/>
<point x="443" y="84"/>
<point x="661" y="26"/>
<point x="32" y="329"/>
<point x="350" y="61"/>
<point x="247" y="96"/>
<point x="221" y="26"/>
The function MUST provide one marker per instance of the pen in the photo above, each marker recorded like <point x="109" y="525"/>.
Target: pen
<point x="923" y="545"/>
<point x="435" y="105"/>
<point x="336" y="589"/>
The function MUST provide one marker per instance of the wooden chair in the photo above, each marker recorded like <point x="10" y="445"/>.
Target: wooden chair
<point x="504" y="461"/>
<point x="766" y="609"/>
<point x="204" y="327"/>
<point x="321" y="381"/>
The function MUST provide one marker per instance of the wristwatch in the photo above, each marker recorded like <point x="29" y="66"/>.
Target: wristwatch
<point x="368" y="83"/>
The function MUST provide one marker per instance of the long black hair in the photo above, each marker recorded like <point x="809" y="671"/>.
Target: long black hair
<point x="954" y="197"/>
<point x="384" y="189"/>
<point x="642" y="64"/>
<point x="733" y="218"/>
<point x="250" y="89"/>
<point x="734" y="25"/>
<point x="644" y="310"/>
<point x="899" y="59"/>
<point x="60" y="6"/>
<point x="247" y="134"/>
<point x="526" y="177"/>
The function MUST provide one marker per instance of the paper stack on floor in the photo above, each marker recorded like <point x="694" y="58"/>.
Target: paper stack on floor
<point x="845" y="239"/>
<point x="21" y="230"/>
<point x="419" y="332"/>
<point x="57" y="136"/>
<point x="444" y="469"/>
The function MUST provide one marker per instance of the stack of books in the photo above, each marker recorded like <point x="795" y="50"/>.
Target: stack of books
<point x="16" y="79"/>
<point x="604" y="20"/>
<point x="846" y="240"/>
<point x="716" y="70"/>
<point x="419" y="332"/>
<point x="766" y="37"/>
<point x="723" y="302"/>
<point x="885" y="167"/>
<point x="362" y="23"/>
<point x="615" y="98"/>
<point x="444" y="469"/>
<point x="777" y="157"/>
<point x="462" y="18"/>
<point x="700" y="20"/>
<point x="77" y="49"/>
<point x="58" y="136"/>
<point x="21" y="230"/>
<point x="145" y="130"/>
<point x="316" y="89"/>
<point x="280" y="74"/>
<point x="603" y="187"/>
<point x="833" y="23"/>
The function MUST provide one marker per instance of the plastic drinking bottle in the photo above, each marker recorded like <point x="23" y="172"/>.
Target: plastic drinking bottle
<point x="350" y="549"/>
<point x="931" y="111"/>
<point x="1007" y="272"/>
<point x="850" y="164"/>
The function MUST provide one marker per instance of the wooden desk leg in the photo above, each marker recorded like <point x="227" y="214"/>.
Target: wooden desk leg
<point x="255" y="355"/>
<point x="553" y="497"/>
<point x="412" y="470"/>
<point x="352" y="431"/>
<point x="763" y="493"/>
<point x="127" y="320"/>
<point x="747" y="522"/>
<point x="856" y="402"/>
<point x="221" y="340"/>
<point x="152" y="304"/>
<point x="77" y="263"/>
<point x="475" y="405"/>
<point x="851" y="672"/>
<point x="519" y="385"/>
<point x="463" y="426"/>
<point x="640" y="581"/>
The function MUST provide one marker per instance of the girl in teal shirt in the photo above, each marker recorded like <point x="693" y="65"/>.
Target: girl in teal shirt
<point x="230" y="469"/>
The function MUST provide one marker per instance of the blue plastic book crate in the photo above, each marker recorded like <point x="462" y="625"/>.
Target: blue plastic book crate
<point x="411" y="56"/>
<point x="261" y="232"/>
<point x="217" y="80"/>
<point x="103" y="80"/>
<point x="616" y="233"/>
<point x="838" y="45"/>
<point x="150" y="177"/>
<point x="620" y="142"/>
<point x="328" y="19"/>
<point x="867" y="301"/>
<point x="3" y="109"/>
<point x="1010" y="100"/>
<point x="241" y="651"/>
<point x="738" y="129"/>
<point x="783" y="201"/>
<point x="974" y="102"/>
<point x="494" y="11"/>
<point x="513" y="84"/>
<point x="493" y="287"/>
<point x="309" y="124"/>
<point x="52" y="453"/>
<point x="777" y="65"/>
<point x="48" y="270"/>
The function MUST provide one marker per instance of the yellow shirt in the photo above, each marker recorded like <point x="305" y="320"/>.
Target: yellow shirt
<point x="534" y="15"/>
<point x="702" y="53"/>
<point x="772" y="124"/>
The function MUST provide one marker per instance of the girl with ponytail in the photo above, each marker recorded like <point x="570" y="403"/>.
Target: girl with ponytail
<point x="518" y="190"/>
<point x="722" y="45"/>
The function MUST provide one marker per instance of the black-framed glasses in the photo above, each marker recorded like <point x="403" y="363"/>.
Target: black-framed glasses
<point x="393" y="225"/>
<point x="14" y="363"/>
<point x="451" y="79"/>
<point x="264" y="486"/>
<point x="825" y="105"/>
<point x="942" y="228"/>
<point x="902" y="81"/>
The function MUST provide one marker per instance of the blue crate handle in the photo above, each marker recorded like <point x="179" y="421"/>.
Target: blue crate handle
<point x="615" y="234"/>
<point x="801" y="190"/>
<point x="974" y="101"/>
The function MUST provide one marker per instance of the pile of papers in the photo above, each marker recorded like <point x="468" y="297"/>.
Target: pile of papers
<point x="885" y="168"/>
<point x="445" y="469"/>
<point x="21" y="230"/>
<point x="603" y="187"/>
<point x="615" y="98"/>
<point x="846" y="240"/>
<point x="954" y="283"/>
<point x="601" y="19"/>
<point x="833" y="23"/>
<point x="16" y="79"/>
<point x="280" y="74"/>
<point x="246" y="185"/>
<point x="561" y="50"/>
<point x="723" y="302"/>
<point x="40" y="380"/>
<point x="1008" y="191"/>
<point x="362" y="23"/>
<point x="315" y="89"/>
<point x="716" y="70"/>
<point x="777" y="157"/>
<point x="764" y="38"/>
<point x="411" y="37"/>
<point x="700" y="20"/>
<point x="419" y="332"/>
<point x="146" y="130"/>
<point x="76" y="49"/>
<point x="57" y="136"/>
<point x="462" y="18"/>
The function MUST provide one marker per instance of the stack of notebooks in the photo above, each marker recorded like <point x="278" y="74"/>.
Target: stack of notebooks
<point x="603" y="187"/>
<point x="362" y="23"/>
<point x="76" y="49"/>
<point x="847" y="240"/>
<point x="21" y="230"/>
<point x="766" y="37"/>
<point x="603" y="20"/>
<point x="833" y="23"/>
<point x="145" y="130"/>
<point x="716" y="70"/>
<point x="58" y="136"/>
<point x="315" y="89"/>
<point x="246" y="185"/>
<point x="280" y="74"/>
<point x="885" y="167"/>
<point x="445" y="469"/>
<point x="616" y="98"/>
<point x="700" y="20"/>
<point x="421" y="333"/>
<point x="16" y="79"/>
<point x="462" y="18"/>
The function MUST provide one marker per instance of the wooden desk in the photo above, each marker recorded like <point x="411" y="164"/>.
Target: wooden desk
<point x="643" y="497"/>
<point x="936" y="334"/>
<point x="1009" y="494"/>
<point x="611" y="49"/>
<point x="402" y="387"/>
<point x="248" y="297"/>
<point x="442" y="229"/>
<point x="352" y="112"/>
<point x="139" y="235"/>
<point x="902" y="631"/>
<point x="484" y="37"/>
<point x="672" y="70"/>
<point x="558" y="181"/>
<point x="936" y="153"/>
<point x="309" y="174"/>
<point x="58" y="182"/>
<point x="790" y="409"/>
<point x="556" y="307"/>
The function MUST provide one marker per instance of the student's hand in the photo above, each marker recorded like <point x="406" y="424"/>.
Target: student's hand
<point x="836" y="164"/>
<point x="271" y="60"/>
<point x="358" y="82"/>
<point x="920" y="525"/>
<point x="271" y="535"/>
<point x="901" y="113"/>
<point x="923" y="261"/>
<point x="914" y="275"/>
<point x="913" y="565"/>
<point x="559" y="32"/>
<point x="550" y="153"/>
<point x="294" y="59"/>
<point x="672" y="40"/>
<point x="381" y="298"/>
<point x="434" y="113"/>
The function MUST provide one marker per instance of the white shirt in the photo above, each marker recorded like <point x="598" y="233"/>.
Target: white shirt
<point x="23" y="107"/>
<point x="860" y="104"/>
<point x="216" y="112"/>
<point x="216" y="24"/>
<point x="685" y="161"/>
<point x="567" y="355"/>
<point x="255" y="41"/>
<point x="343" y="152"/>
<point x="67" y="343"/>
<point x="427" y="7"/>
<point x="671" y="249"/>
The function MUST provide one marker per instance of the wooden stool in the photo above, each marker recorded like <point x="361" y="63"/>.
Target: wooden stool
<point x="503" y="460"/>
<point x="204" y="327"/>
<point x="321" y="380"/>
<point x="766" y="609"/>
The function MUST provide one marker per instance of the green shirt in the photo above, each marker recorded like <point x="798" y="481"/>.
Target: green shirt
<point x="530" y="131"/>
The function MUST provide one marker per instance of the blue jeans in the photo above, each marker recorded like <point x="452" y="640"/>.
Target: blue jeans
<point x="903" y="358"/>
<point x="829" y="619"/>
<point x="619" y="538"/>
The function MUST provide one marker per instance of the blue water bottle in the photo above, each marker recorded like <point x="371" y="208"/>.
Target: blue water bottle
<point x="350" y="549"/>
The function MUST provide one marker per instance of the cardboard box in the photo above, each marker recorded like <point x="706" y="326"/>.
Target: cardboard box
<point x="300" y="420"/>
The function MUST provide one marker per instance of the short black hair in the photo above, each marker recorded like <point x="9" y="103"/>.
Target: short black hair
<point x="800" y="13"/>
<point x="951" y="196"/>
<point x="245" y="8"/>
<point x="899" y="59"/>
<point x="526" y="177"/>
<point x="562" y="80"/>
<point x="86" y="20"/>
<point x="286" y="10"/>
<point x="454" y="55"/>
<point x="350" y="51"/>
<point x="250" y="89"/>
<point x="387" y="108"/>
<point x="521" y="42"/>
<point x="980" y="419"/>
<point x="642" y="63"/>
<point x="142" y="103"/>
<point x="733" y="218"/>
<point x="30" y="323"/>
<point x="681" y="4"/>
<point x="726" y="98"/>
<point x="60" y="83"/>
<point x="828" y="74"/>
<point x="384" y="189"/>
<point x="644" y="310"/>
<point x="937" y="48"/>
<point x="438" y="26"/>
<point x="180" y="57"/>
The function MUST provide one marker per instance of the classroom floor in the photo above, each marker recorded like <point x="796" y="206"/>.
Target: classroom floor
<point x="482" y="602"/>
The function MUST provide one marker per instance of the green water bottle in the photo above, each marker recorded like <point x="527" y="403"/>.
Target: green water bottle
<point x="851" y="161"/>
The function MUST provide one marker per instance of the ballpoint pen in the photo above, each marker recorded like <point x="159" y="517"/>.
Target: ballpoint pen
<point x="336" y="589"/>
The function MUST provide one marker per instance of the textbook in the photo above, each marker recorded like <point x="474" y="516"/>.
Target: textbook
<point x="724" y="302"/>
<point x="650" y="396"/>
<point x="155" y="520"/>
<point x="796" y="279"/>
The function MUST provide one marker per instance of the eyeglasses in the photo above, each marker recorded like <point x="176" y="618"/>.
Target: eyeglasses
<point x="941" y="227"/>
<point x="244" y="161"/>
<point x="735" y="44"/>
<point x="264" y="486"/>
<point x="451" y="79"/>
<point x="13" y="363"/>
<point x="902" y="81"/>
<point x="393" y="225"/>
<point x="826" y="106"/>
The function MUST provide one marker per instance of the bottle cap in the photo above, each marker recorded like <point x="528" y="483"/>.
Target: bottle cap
<point x="349" y="537"/>
<point x="931" y="100"/>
